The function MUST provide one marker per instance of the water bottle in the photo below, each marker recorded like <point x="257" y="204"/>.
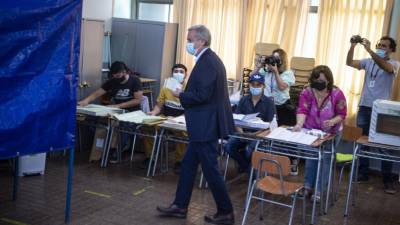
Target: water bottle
<point x="273" y="124"/>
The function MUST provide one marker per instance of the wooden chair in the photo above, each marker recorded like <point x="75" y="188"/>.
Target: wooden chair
<point x="265" y="48"/>
<point x="271" y="170"/>
<point x="302" y="68"/>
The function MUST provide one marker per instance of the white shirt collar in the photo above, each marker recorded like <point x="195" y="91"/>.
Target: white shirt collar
<point x="199" y="55"/>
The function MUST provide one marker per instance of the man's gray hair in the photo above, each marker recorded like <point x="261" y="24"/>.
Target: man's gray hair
<point x="202" y="33"/>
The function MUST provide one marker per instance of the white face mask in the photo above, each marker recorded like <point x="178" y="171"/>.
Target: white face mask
<point x="180" y="77"/>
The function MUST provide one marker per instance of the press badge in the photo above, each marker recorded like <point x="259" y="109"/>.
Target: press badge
<point x="371" y="83"/>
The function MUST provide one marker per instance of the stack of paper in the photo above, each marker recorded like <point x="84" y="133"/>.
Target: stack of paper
<point x="250" y="121"/>
<point x="138" y="117"/>
<point x="178" y="119"/>
<point x="172" y="84"/>
<point x="98" y="110"/>
<point x="284" y="134"/>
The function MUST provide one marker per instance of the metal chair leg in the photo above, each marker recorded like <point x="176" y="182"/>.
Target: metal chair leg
<point x="246" y="210"/>
<point x="339" y="182"/>
<point x="303" y="216"/>
<point x="226" y="166"/>
<point x="293" y="208"/>
<point x="261" y="205"/>
<point x="133" y="146"/>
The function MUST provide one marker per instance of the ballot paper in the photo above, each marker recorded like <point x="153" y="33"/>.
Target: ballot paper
<point x="247" y="117"/>
<point x="238" y="116"/>
<point x="138" y="117"/>
<point x="285" y="134"/>
<point x="179" y="119"/>
<point x="250" y="121"/>
<point x="172" y="84"/>
<point x="98" y="110"/>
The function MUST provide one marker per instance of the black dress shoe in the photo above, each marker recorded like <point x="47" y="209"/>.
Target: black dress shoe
<point x="223" y="219"/>
<point x="172" y="211"/>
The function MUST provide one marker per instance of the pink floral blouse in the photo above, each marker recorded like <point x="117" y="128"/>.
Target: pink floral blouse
<point x="334" y="104"/>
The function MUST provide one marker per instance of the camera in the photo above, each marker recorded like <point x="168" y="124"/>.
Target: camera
<point x="356" y="39"/>
<point x="272" y="60"/>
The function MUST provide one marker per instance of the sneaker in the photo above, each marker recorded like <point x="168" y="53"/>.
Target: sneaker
<point x="294" y="170"/>
<point x="177" y="167"/>
<point x="307" y="192"/>
<point x="389" y="188"/>
<point x="294" y="167"/>
<point x="317" y="197"/>
<point x="113" y="156"/>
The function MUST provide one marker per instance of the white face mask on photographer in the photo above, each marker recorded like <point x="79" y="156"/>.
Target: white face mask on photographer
<point x="180" y="77"/>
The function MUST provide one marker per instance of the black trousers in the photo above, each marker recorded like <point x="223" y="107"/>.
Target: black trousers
<point x="206" y="154"/>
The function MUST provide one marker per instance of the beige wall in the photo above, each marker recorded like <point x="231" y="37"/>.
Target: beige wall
<point x="99" y="10"/>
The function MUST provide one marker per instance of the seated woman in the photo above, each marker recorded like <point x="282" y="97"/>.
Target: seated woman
<point x="321" y="106"/>
<point x="256" y="102"/>
<point x="169" y="105"/>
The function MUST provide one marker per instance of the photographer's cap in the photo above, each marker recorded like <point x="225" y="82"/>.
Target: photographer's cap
<point x="257" y="77"/>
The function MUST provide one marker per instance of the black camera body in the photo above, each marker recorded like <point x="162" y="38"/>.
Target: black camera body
<point x="356" y="39"/>
<point x="272" y="60"/>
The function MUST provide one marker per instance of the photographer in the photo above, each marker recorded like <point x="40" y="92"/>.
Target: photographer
<point x="278" y="80"/>
<point x="380" y="72"/>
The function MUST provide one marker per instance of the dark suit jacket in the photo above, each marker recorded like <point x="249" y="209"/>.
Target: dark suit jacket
<point x="206" y="102"/>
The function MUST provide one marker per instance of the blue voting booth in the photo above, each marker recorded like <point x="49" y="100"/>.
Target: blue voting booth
<point x="39" y="57"/>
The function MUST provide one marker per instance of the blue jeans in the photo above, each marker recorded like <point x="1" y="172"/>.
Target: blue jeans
<point x="240" y="151"/>
<point x="311" y="167"/>
<point x="363" y="121"/>
<point x="206" y="154"/>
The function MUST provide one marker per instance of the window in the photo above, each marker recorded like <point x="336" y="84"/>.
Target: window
<point x="122" y="8"/>
<point x="308" y="48"/>
<point x="155" y="12"/>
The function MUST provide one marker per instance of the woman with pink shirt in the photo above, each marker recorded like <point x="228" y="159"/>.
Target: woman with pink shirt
<point x="321" y="106"/>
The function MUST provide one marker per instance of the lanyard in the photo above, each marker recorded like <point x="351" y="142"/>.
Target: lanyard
<point x="373" y="76"/>
<point x="271" y="84"/>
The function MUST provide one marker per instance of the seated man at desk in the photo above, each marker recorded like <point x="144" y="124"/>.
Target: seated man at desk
<point x="256" y="102"/>
<point x="125" y="90"/>
<point x="169" y="105"/>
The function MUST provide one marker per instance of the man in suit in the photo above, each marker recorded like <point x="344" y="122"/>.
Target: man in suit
<point x="208" y="117"/>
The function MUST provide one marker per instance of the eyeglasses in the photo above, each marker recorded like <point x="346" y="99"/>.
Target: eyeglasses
<point x="379" y="45"/>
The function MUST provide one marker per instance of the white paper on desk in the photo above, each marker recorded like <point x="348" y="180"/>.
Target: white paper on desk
<point x="284" y="134"/>
<point x="256" y="123"/>
<point x="137" y="117"/>
<point x="179" y="119"/>
<point x="172" y="84"/>
<point x="97" y="110"/>
<point x="238" y="116"/>
<point x="251" y="117"/>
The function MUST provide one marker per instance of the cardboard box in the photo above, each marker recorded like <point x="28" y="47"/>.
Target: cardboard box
<point x="98" y="144"/>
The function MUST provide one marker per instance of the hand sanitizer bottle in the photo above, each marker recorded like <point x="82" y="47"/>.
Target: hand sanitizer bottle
<point x="273" y="124"/>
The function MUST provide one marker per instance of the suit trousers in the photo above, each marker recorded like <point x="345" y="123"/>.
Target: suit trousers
<point x="204" y="153"/>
